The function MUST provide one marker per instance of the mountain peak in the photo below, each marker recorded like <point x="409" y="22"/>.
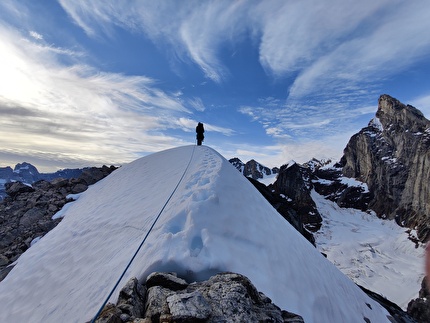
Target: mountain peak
<point x="392" y="113"/>
<point x="391" y="156"/>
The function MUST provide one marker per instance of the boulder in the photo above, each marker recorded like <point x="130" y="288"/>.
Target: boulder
<point x="16" y="188"/>
<point x="167" y="280"/>
<point x="31" y="216"/>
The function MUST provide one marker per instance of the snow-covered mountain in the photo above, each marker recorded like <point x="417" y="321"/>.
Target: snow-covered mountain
<point x="375" y="253"/>
<point x="384" y="171"/>
<point x="210" y="219"/>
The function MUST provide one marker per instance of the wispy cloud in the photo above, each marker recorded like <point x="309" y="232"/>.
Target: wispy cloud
<point x="74" y="111"/>
<point x="35" y="35"/>
<point x="197" y="104"/>
<point x="423" y="104"/>
<point x="330" y="46"/>
<point x="284" y="119"/>
<point x="333" y="55"/>
<point x="194" y="29"/>
<point x="189" y="125"/>
<point x="397" y="40"/>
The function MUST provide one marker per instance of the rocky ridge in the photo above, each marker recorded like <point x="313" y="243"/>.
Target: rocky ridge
<point x="26" y="213"/>
<point x="284" y="207"/>
<point x="225" y="297"/>
<point x="290" y="192"/>
<point x="294" y="185"/>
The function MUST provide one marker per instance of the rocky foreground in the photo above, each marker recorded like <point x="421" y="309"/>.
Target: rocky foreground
<point x="26" y="213"/>
<point x="225" y="297"/>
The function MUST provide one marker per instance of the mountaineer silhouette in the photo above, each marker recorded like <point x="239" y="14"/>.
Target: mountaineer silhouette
<point x="199" y="131"/>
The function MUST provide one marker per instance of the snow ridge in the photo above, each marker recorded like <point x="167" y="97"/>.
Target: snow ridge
<point x="216" y="221"/>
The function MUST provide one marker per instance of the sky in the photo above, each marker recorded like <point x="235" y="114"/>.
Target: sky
<point x="75" y="266"/>
<point x="87" y="83"/>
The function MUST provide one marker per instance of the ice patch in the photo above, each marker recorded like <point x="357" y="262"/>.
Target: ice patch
<point x="354" y="182"/>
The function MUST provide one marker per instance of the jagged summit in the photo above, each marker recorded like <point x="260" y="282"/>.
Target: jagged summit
<point x="392" y="156"/>
<point x="396" y="116"/>
<point x="215" y="221"/>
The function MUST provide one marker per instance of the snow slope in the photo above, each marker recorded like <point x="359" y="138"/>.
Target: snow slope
<point x="215" y="221"/>
<point x="375" y="253"/>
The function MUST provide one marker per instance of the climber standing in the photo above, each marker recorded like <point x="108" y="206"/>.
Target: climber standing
<point x="200" y="130"/>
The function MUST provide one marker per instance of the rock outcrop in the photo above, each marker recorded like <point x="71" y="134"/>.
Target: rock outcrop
<point x="225" y="297"/>
<point x="419" y="308"/>
<point x="26" y="213"/>
<point x="392" y="156"/>
<point x="284" y="207"/>
<point x="290" y="193"/>
<point x="294" y="185"/>
<point x="330" y="183"/>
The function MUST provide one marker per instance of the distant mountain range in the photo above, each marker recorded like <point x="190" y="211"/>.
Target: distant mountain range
<point x="255" y="170"/>
<point x="28" y="174"/>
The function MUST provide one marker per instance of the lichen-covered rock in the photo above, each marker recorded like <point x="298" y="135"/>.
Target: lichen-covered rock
<point x="185" y="307"/>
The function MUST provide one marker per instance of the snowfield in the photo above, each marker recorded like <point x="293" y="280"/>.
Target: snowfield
<point x="374" y="253"/>
<point x="215" y="221"/>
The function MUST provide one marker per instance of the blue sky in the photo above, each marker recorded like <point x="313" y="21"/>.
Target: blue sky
<point x="86" y="83"/>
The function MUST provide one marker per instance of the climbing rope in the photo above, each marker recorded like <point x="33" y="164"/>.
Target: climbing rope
<point x="144" y="239"/>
